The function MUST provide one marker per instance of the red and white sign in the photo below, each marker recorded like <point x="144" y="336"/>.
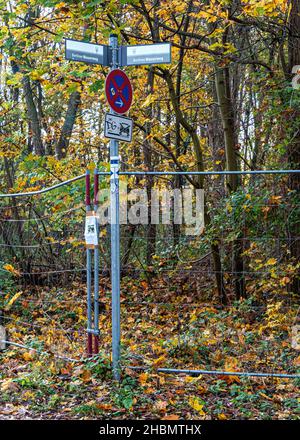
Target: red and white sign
<point x="118" y="91"/>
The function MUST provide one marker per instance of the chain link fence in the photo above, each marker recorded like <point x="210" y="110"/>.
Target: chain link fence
<point x="223" y="299"/>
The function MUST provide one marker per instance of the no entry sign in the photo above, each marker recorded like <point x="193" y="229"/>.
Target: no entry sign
<point x="118" y="91"/>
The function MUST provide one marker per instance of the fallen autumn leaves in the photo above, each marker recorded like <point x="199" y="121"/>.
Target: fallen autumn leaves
<point x="35" y="385"/>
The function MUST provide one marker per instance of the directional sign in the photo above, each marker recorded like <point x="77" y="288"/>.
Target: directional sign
<point x="118" y="127"/>
<point x="146" y="54"/>
<point x="87" y="52"/>
<point x="118" y="91"/>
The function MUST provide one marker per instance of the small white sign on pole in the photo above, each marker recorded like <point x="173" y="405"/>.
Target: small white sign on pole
<point x="91" y="231"/>
<point x="118" y="127"/>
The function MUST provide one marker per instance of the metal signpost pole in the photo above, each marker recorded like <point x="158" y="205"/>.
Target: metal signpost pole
<point x="88" y="269"/>
<point x="96" y="270"/>
<point x="118" y="91"/>
<point x="115" y="233"/>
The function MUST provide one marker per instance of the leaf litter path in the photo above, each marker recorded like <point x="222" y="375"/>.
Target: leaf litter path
<point x="160" y="329"/>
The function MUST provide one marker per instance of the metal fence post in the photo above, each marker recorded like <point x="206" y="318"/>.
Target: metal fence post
<point x="115" y="234"/>
<point x="88" y="269"/>
<point x="96" y="270"/>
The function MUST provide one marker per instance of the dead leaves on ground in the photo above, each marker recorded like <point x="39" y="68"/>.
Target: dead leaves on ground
<point x="156" y="337"/>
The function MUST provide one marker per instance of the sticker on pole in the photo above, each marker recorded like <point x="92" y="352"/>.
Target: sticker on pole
<point x="118" y="91"/>
<point x="91" y="231"/>
<point x="118" y="127"/>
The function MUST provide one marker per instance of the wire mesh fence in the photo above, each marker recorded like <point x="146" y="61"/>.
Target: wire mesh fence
<point x="223" y="299"/>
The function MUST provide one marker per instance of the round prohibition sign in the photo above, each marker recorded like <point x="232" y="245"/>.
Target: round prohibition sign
<point x="118" y="91"/>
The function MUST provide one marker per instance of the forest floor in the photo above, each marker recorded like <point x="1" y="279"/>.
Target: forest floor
<point x="159" y="329"/>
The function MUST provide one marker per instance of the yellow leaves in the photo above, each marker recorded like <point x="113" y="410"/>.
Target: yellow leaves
<point x="222" y="416"/>
<point x="202" y="389"/>
<point x="186" y="159"/>
<point x="212" y="12"/>
<point x="28" y="356"/>
<point x="60" y="5"/>
<point x="143" y="378"/>
<point x="35" y="75"/>
<point x="22" y="8"/>
<point x="83" y="374"/>
<point x="66" y="370"/>
<point x="275" y="318"/>
<point x="148" y="101"/>
<point x="194" y="316"/>
<point x="229" y="207"/>
<point x="284" y="281"/>
<point x="81" y="315"/>
<point x="11" y="269"/>
<point x="296" y="361"/>
<point x="231" y="365"/>
<point x="20" y="184"/>
<point x="246" y="208"/>
<point x="162" y="380"/>
<point x="5" y="385"/>
<point x="104" y="406"/>
<point x="269" y="8"/>
<point x="86" y="376"/>
<point x="265" y="396"/>
<point x="28" y="395"/>
<point x="159" y="360"/>
<point x="180" y="7"/>
<point x="189" y="379"/>
<point x="15" y="80"/>
<point x="275" y="200"/>
<point x="271" y="262"/>
<point x="208" y="338"/>
<point x="52" y="368"/>
<point x="197" y="404"/>
<point x="12" y="300"/>
<point x="9" y="385"/>
<point x="217" y="356"/>
<point x="149" y="390"/>
<point x="144" y="284"/>
<point x="227" y="48"/>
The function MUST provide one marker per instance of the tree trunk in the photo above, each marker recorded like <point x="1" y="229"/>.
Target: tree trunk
<point x="192" y="131"/>
<point x="294" y="144"/>
<point x="32" y="113"/>
<point x="66" y="132"/>
<point x="222" y="81"/>
<point x="151" y="228"/>
<point x="226" y="110"/>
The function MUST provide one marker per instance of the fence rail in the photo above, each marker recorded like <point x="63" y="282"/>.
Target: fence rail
<point x="153" y="173"/>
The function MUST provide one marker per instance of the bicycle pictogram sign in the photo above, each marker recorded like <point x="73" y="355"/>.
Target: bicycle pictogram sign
<point x="118" y="127"/>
